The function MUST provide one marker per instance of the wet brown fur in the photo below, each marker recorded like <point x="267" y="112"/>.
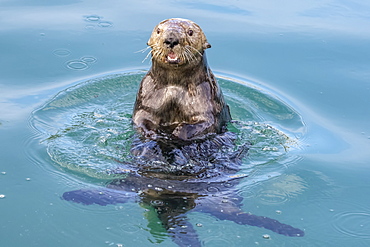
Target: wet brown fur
<point x="179" y="97"/>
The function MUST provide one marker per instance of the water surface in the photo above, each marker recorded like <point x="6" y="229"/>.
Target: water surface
<point x="303" y="70"/>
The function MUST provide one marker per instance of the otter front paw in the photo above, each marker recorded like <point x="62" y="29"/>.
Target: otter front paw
<point x="150" y="134"/>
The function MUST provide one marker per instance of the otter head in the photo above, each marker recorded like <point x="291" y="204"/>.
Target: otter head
<point x="177" y="42"/>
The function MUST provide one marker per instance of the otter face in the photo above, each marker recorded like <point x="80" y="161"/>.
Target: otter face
<point x="177" y="42"/>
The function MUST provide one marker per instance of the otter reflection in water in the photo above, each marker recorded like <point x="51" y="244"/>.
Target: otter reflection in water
<point x="186" y="160"/>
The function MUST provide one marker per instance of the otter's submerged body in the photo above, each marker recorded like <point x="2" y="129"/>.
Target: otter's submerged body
<point x="181" y="117"/>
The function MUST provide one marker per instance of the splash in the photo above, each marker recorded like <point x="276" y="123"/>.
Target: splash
<point x="87" y="128"/>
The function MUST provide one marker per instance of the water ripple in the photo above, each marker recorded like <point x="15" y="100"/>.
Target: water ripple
<point x="269" y="196"/>
<point x="92" y="18"/>
<point x="62" y="52"/>
<point x="88" y="59"/>
<point x="87" y="128"/>
<point x="281" y="189"/>
<point x="77" y="65"/>
<point x="218" y="241"/>
<point x="353" y="224"/>
<point x="96" y="20"/>
<point x="105" y="24"/>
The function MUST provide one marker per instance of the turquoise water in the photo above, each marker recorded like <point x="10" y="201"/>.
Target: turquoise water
<point x="300" y="71"/>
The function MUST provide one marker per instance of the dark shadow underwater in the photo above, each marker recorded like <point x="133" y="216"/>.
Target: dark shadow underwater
<point x="175" y="180"/>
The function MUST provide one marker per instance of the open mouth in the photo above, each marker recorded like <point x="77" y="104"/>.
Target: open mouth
<point x="172" y="57"/>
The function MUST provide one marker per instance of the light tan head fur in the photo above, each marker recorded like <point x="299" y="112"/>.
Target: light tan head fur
<point x="177" y="41"/>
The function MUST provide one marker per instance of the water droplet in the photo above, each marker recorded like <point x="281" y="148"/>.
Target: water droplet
<point x="62" y="52"/>
<point x="77" y="65"/>
<point x="157" y="203"/>
<point x="266" y="236"/>
<point x="2" y="196"/>
<point x="199" y="225"/>
<point x="150" y="186"/>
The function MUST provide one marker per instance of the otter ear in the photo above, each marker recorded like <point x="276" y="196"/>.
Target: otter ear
<point x="206" y="45"/>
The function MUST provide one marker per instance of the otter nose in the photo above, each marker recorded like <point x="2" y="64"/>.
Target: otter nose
<point x="171" y="41"/>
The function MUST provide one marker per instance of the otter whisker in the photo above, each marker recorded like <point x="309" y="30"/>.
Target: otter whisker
<point x="143" y="50"/>
<point x="154" y="54"/>
<point x="147" y="56"/>
<point x="186" y="56"/>
<point x="157" y="54"/>
<point x="190" y="54"/>
<point x="195" y="50"/>
<point x="189" y="59"/>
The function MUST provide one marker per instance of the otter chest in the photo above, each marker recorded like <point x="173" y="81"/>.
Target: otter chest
<point x="178" y="97"/>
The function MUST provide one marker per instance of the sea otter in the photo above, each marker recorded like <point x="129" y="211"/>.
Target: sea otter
<point x="185" y="157"/>
<point x="179" y="97"/>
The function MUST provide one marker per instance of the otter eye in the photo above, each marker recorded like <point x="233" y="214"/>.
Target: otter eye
<point x="158" y="31"/>
<point x="190" y="32"/>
